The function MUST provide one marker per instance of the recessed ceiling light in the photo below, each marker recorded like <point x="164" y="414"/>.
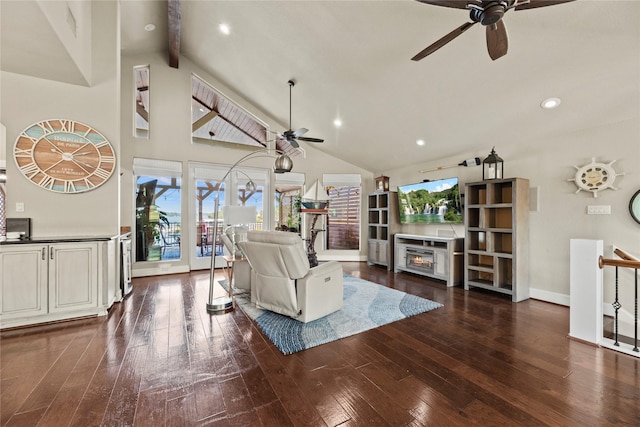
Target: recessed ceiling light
<point x="420" y="142"/>
<point x="149" y="27"/>
<point x="550" y="103"/>
<point x="337" y="123"/>
<point x="224" y="29"/>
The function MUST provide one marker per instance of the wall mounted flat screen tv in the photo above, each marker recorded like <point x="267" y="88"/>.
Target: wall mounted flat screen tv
<point x="430" y="202"/>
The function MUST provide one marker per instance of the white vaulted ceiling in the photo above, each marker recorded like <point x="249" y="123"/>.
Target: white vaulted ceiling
<point x="351" y="59"/>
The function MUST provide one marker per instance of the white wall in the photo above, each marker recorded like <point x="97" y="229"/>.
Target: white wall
<point x="562" y="214"/>
<point x="170" y="139"/>
<point x="26" y="100"/>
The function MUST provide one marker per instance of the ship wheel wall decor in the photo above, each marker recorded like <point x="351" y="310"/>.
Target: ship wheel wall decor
<point x="594" y="177"/>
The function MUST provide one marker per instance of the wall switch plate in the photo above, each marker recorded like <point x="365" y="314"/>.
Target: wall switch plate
<point x="599" y="210"/>
<point x="19" y="207"/>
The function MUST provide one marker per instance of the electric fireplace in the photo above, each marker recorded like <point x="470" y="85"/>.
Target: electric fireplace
<point x="420" y="260"/>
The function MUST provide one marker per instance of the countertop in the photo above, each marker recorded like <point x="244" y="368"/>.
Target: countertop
<point x="61" y="239"/>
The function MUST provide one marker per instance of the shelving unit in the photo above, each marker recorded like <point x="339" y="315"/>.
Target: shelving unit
<point x="497" y="231"/>
<point x="383" y="223"/>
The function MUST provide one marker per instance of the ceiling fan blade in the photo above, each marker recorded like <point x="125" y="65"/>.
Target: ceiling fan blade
<point x="497" y="40"/>
<point x="317" y="140"/>
<point x="443" y="41"/>
<point x="457" y="4"/>
<point x="299" y="132"/>
<point x="541" y="3"/>
<point x="293" y="143"/>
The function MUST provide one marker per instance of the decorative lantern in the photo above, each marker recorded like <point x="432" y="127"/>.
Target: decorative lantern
<point x="382" y="183"/>
<point x="492" y="166"/>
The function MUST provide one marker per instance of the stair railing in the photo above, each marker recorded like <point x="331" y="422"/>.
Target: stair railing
<point x="625" y="261"/>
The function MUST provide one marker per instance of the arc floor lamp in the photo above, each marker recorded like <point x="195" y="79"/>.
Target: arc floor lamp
<point x="283" y="163"/>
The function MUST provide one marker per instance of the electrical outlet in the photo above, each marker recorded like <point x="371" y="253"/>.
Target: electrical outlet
<point x="19" y="207"/>
<point x="599" y="210"/>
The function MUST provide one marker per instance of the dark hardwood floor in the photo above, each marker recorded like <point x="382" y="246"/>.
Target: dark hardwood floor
<point x="158" y="359"/>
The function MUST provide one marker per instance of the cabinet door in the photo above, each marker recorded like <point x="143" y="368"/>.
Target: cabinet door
<point x="23" y="281"/>
<point x="441" y="267"/>
<point x="73" y="276"/>
<point x="372" y="252"/>
<point x="382" y="252"/>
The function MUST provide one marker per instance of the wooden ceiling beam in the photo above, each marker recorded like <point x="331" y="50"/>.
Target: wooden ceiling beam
<point x="174" y="32"/>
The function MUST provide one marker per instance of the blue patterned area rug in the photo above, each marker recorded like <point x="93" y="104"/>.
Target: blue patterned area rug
<point x="367" y="305"/>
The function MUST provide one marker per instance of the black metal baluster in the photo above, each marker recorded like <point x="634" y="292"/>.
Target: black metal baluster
<point x="635" y="316"/>
<point x="616" y="306"/>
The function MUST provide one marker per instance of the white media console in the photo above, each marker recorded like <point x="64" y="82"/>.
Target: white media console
<point x="436" y="257"/>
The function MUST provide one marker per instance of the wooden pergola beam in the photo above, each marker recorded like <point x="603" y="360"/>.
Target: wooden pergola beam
<point x="142" y="112"/>
<point x="217" y="113"/>
<point x="203" y="120"/>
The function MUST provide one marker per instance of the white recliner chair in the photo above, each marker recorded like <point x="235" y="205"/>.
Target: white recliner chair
<point x="284" y="282"/>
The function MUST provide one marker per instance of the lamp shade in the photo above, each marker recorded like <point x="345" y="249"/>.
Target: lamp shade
<point x="283" y="164"/>
<point x="250" y="186"/>
<point x="237" y="215"/>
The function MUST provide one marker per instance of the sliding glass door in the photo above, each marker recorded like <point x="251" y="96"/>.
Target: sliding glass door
<point x="207" y="185"/>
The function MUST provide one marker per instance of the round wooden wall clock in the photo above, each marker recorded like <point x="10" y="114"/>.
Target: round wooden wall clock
<point x="64" y="156"/>
<point x="594" y="177"/>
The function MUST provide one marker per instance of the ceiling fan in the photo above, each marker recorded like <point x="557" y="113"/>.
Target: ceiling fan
<point x="489" y="13"/>
<point x="292" y="137"/>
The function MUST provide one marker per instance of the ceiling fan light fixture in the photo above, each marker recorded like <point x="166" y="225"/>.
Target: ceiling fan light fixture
<point x="550" y="103"/>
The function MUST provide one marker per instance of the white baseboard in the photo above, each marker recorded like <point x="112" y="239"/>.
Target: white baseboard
<point x="159" y="270"/>
<point x="548" y="296"/>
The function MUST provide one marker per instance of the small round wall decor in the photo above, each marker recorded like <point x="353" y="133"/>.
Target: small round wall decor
<point x="64" y="156"/>
<point x="594" y="177"/>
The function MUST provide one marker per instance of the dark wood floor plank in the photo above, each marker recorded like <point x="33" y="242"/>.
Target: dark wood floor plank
<point x="181" y="411"/>
<point x="273" y="414"/>
<point x="44" y="393"/>
<point x="30" y="418"/>
<point x="428" y="406"/>
<point x="124" y="396"/>
<point x="236" y="396"/>
<point x="92" y="408"/>
<point x="209" y="400"/>
<point x="151" y="408"/>
<point x="316" y="385"/>
<point x="300" y="411"/>
<point x="160" y="359"/>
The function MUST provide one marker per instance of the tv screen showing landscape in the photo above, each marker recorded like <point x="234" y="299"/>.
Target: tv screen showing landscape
<point x="430" y="202"/>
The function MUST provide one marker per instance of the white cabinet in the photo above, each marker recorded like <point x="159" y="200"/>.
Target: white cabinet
<point x="23" y="281"/>
<point x="56" y="281"/>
